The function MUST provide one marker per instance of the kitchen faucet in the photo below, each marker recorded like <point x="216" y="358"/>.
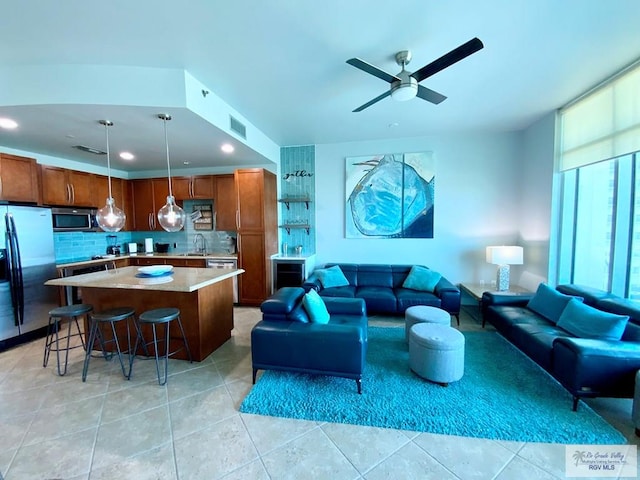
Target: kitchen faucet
<point x="203" y="248"/>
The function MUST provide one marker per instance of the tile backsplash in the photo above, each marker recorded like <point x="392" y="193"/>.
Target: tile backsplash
<point x="77" y="246"/>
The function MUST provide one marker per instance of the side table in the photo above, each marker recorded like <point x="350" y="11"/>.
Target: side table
<point x="475" y="291"/>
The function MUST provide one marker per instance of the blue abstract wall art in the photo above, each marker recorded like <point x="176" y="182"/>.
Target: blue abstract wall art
<point x="390" y="196"/>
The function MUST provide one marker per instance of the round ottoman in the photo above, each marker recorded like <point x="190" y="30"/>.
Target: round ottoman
<point x="436" y="352"/>
<point x="423" y="313"/>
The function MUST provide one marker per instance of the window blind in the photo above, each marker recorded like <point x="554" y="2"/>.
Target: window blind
<point x="604" y="124"/>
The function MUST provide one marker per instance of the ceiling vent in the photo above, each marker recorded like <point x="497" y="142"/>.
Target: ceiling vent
<point x="237" y="127"/>
<point x="89" y="150"/>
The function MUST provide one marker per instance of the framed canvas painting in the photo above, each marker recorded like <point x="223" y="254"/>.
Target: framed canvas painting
<point x="390" y="196"/>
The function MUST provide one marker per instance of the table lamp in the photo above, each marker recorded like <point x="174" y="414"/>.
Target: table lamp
<point x="504" y="257"/>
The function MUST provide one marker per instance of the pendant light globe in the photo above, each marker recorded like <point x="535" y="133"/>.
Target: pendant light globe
<point x="110" y="218"/>
<point x="171" y="216"/>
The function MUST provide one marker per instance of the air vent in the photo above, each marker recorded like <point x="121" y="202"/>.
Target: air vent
<point x="238" y="127"/>
<point x="89" y="150"/>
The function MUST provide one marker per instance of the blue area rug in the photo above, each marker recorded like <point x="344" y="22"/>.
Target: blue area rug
<point x="503" y="395"/>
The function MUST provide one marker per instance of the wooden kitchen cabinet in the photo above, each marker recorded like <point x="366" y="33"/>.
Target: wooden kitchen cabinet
<point x="121" y="194"/>
<point x="198" y="186"/>
<point x="18" y="178"/>
<point x="257" y="232"/>
<point x="61" y="186"/>
<point x="149" y="195"/>
<point x="224" y="203"/>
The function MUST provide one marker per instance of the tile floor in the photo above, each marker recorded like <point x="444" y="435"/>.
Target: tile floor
<point x="55" y="427"/>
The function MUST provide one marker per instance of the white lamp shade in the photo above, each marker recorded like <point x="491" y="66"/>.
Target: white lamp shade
<point x="505" y="255"/>
<point x="404" y="92"/>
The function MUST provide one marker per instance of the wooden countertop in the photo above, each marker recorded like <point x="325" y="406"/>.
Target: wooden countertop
<point x="106" y="258"/>
<point x="183" y="279"/>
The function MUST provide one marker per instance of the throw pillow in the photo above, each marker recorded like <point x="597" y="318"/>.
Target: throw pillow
<point x="584" y="321"/>
<point x="332" y="277"/>
<point x="422" y="278"/>
<point x="549" y="302"/>
<point x="315" y="307"/>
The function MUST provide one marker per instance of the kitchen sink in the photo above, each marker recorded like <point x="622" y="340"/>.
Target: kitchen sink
<point x="192" y="254"/>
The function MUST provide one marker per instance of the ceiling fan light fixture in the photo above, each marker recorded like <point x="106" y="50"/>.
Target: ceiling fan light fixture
<point x="401" y="92"/>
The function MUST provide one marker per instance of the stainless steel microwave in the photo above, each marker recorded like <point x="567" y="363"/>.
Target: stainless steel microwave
<point x="69" y="219"/>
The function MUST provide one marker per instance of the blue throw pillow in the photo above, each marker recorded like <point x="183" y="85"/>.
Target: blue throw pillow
<point x="549" y="302"/>
<point x="332" y="277"/>
<point x="421" y="278"/>
<point x="315" y="307"/>
<point x="584" y="321"/>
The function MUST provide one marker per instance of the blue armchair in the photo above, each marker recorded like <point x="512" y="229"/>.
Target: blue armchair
<point x="286" y="340"/>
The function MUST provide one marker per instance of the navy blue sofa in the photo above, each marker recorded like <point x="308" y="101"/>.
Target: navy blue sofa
<point x="585" y="367"/>
<point x="380" y="286"/>
<point x="285" y="339"/>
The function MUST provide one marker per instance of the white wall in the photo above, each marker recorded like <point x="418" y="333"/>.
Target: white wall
<point x="536" y="194"/>
<point x="476" y="203"/>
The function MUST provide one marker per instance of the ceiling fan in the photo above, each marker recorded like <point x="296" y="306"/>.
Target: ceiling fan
<point x="404" y="85"/>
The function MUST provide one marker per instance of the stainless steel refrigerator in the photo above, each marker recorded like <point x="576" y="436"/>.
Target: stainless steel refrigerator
<point x="26" y="262"/>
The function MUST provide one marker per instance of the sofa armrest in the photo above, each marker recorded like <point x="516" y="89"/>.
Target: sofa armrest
<point x="345" y="306"/>
<point x="497" y="298"/>
<point x="312" y="282"/>
<point x="449" y="296"/>
<point x="595" y="367"/>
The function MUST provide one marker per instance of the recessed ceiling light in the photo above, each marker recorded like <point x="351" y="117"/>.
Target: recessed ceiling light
<point x="227" y="148"/>
<point x="127" y="156"/>
<point x="186" y="163"/>
<point x="7" y="123"/>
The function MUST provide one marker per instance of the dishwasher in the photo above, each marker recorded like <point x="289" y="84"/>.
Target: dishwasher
<point x="228" y="265"/>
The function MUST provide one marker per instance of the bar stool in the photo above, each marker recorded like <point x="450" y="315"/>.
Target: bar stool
<point x="157" y="317"/>
<point x="56" y="317"/>
<point x="96" y="322"/>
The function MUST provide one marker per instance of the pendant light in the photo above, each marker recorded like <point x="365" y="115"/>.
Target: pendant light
<point x="171" y="217"/>
<point x="110" y="218"/>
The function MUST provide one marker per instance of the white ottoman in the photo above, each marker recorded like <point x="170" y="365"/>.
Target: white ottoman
<point x="423" y="313"/>
<point x="436" y="352"/>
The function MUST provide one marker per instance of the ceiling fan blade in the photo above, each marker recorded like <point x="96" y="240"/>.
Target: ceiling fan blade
<point x="371" y="102"/>
<point x="430" y="95"/>
<point x="448" y="59"/>
<point x="371" y="69"/>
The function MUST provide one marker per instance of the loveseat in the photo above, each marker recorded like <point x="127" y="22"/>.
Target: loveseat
<point x="599" y="354"/>
<point x="286" y="339"/>
<point x="381" y="287"/>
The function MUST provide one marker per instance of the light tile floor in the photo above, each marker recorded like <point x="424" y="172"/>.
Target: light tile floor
<point x="55" y="427"/>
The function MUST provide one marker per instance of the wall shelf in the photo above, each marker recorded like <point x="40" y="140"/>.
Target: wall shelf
<point x="289" y="226"/>
<point x="289" y="200"/>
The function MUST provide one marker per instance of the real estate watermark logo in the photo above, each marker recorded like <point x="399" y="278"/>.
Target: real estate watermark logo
<point x="614" y="461"/>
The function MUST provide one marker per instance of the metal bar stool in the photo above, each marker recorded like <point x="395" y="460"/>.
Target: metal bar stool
<point x="56" y="317"/>
<point x="96" y="323"/>
<point x="157" y="317"/>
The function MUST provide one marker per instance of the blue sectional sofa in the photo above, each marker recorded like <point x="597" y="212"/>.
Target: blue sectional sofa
<point x="586" y="367"/>
<point x="380" y="286"/>
<point x="286" y="340"/>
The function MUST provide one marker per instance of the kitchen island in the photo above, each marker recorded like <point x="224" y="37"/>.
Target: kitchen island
<point x="203" y="295"/>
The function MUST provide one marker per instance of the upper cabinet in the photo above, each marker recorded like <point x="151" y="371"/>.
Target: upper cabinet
<point x="18" y="178"/>
<point x="198" y="186"/>
<point x="149" y="195"/>
<point x="61" y="186"/>
<point x="224" y="203"/>
<point x="121" y="192"/>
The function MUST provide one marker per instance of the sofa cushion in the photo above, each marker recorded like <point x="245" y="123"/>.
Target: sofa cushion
<point x="422" y="278"/>
<point x="374" y="276"/>
<point x="332" y="277"/>
<point x="590" y="295"/>
<point x="409" y="298"/>
<point x="549" y="303"/>
<point x="315" y="307"/>
<point x="588" y="322"/>
<point x="378" y="299"/>
<point x="536" y="341"/>
<point x="623" y="306"/>
<point x="344" y="292"/>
